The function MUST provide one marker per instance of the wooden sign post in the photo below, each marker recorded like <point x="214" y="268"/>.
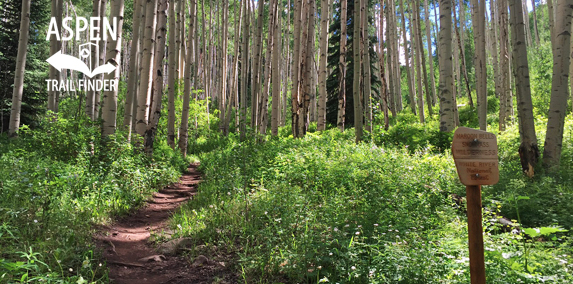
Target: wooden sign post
<point x="475" y="155"/>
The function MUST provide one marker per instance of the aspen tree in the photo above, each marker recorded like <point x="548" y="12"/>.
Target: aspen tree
<point x="418" y="54"/>
<point x="144" y="92"/>
<point x="20" y="69"/>
<point x="357" y="70"/>
<point x="411" y="89"/>
<point x="113" y="54"/>
<point x="367" y="84"/>
<point x="133" y="70"/>
<point x="172" y="74"/>
<point x="383" y="86"/>
<point x="391" y="61"/>
<point x="264" y="103"/>
<point x="504" y="65"/>
<point x="189" y="81"/>
<point x="342" y="66"/>
<point x="535" y="28"/>
<point x="160" y="34"/>
<point x="244" y="69"/>
<point x="460" y="45"/>
<point x="101" y="59"/>
<point x="275" y="112"/>
<point x="528" y="150"/>
<point x="559" y="86"/>
<point x="90" y="94"/>
<point x="430" y="59"/>
<point x="234" y="92"/>
<point x="255" y="88"/>
<point x="324" y="21"/>
<point x="447" y="120"/>
<point x="478" y="21"/>
<point x="224" y="47"/>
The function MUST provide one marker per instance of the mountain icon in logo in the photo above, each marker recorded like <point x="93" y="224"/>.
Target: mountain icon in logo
<point x="63" y="61"/>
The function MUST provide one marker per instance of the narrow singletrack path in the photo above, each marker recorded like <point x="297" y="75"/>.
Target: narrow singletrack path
<point x="130" y="256"/>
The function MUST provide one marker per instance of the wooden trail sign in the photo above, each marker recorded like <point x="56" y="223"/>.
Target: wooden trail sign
<point x="475" y="155"/>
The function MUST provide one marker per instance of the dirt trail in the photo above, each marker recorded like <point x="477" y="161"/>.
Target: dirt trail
<point x="125" y="244"/>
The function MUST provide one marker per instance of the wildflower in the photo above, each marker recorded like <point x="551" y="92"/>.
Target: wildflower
<point x="71" y="269"/>
<point x="375" y="225"/>
<point x="359" y="226"/>
<point x="353" y="267"/>
<point x="35" y="221"/>
<point x="357" y="233"/>
<point x="346" y="226"/>
<point x="335" y="229"/>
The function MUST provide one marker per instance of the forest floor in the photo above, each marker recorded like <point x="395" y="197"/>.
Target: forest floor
<point x="131" y="255"/>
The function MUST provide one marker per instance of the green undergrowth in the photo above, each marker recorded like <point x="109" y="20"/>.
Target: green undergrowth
<point x="56" y="183"/>
<point x="323" y="209"/>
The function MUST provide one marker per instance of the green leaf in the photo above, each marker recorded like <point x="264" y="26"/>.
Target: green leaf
<point x="545" y="231"/>
<point x="532" y="232"/>
<point x="523" y="197"/>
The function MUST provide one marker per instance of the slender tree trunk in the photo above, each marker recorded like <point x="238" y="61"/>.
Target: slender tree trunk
<point x="144" y="95"/>
<point x="324" y="19"/>
<point x="391" y="60"/>
<point x="276" y="80"/>
<point x="234" y="91"/>
<point x="223" y="100"/>
<point x="419" y="55"/>
<point x="397" y="64"/>
<point x="447" y="105"/>
<point x="307" y="54"/>
<point x="357" y="70"/>
<point x="559" y="86"/>
<point x="113" y="54"/>
<point x="536" y="30"/>
<point x="342" y="67"/>
<point x="411" y="89"/>
<point x="463" y="61"/>
<point x="505" y="69"/>
<point x="20" y="69"/>
<point x="528" y="150"/>
<point x="132" y="81"/>
<point x="384" y="85"/>
<point x="478" y="20"/>
<point x="255" y="88"/>
<point x="156" y="105"/>
<point x="54" y="47"/>
<point x="172" y="74"/>
<point x="93" y="59"/>
<point x="429" y="98"/>
<point x="366" y="72"/>
<point x="244" y="69"/>
<point x="296" y="65"/>
<point x="189" y="81"/>
<point x="102" y="56"/>
<point x="551" y="15"/>
<point x="263" y="106"/>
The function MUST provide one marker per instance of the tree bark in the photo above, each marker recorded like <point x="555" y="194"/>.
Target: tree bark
<point x="90" y="94"/>
<point x="276" y="74"/>
<point x="430" y="59"/>
<point x="342" y="67"/>
<point x="102" y="56"/>
<point x="535" y="28"/>
<point x="411" y="89"/>
<point x="559" y="86"/>
<point x="478" y="21"/>
<point x="447" y="105"/>
<point x="244" y="69"/>
<point x="391" y="61"/>
<point x="459" y="42"/>
<point x="419" y="55"/>
<point x="189" y="81"/>
<point x="144" y="94"/>
<point x="356" y="35"/>
<point x="172" y="75"/>
<point x="113" y="54"/>
<point x="366" y="72"/>
<point x="264" y="103"/>
<point x="156" y="104"/>
<point x="133" y="70"/>
<point x="384" y="85"/>
<point x="324" y="21"/>
<point x="528" y="150"/>
<point x="20" y="69"/>
<point x="504" y="66"/>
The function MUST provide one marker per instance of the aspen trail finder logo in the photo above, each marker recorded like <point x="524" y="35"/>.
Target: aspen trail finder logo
<point x="62" y="61"/>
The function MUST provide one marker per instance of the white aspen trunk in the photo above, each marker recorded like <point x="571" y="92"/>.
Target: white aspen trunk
<point x="189" y="81"/>
<point x="160" y="34"/>
<point x="255" y="88"/>
<point x="113" y="54"/>
<point x="418" y="52"/>
<point x="342" y="67"/>
<point x="504" y="56"/>
<point x="324" y="18"/>
<point x="357" y="71"/>
<point x="411" y="89"/>
<point x="182" y="42"/>
<point x="133" y="70"/>
<point x="296" y="65"/>
<point x="397" y="64"/>
<point x="528" y="149"/>
<point x="172" y="74"/>
<point x="276" y="78"/>
<point x="286" y="68"/>
<point x="264" y="103"/>
<point x="306" y="67"/>
<point x="478" y="21"/>
<point x="144" y="93"/>
<point x="384" y="86"/>
<point x="535" y="28"/>
<point x="224" y="47"/>
<point x="234" y="91"/>
<point x="366" y="83"/>
<point x="20" y="69"/>
<point x="430" y="58"/>
<point x="102" y="55"/>
<point x="93" y="61"/>
<point x="391" y="61"/>
<point x="244" y="71"/>
<point x="447" y="105"/>
<point x="559" y="86"/>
